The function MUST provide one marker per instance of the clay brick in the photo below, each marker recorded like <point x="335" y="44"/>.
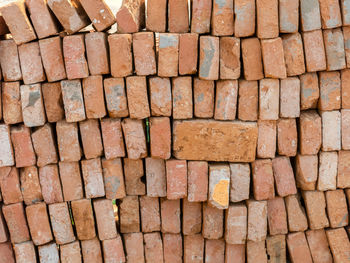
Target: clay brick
<point x="248" y="100"/>
<point x="178" y="21"/>
<point x="230" y="65"/>
<point x="113" y="142"/>
<point x="172" y="248"/>
<point x="10" y="185"/>
<point x="52" y="58"/>
<point x="276" y="248"/>
<point x="24" y="252"/>
<point x="129" y="16"/>
<point x="137" y="97"/>
<point x="52" y="96"/>
<point x="267" y="18"/>
<point x="68" y="141"/>
<point x="153" y="247"/>
<point x="309" y="91"/>
<point x="343" y="175"/>
<point x="170" y="216"/>
<point x="329" y="91"/>
<point x="306" y="172"/>
<point x="50" y="184"/>
<point x="197" y="181"/>
<point x="193" y="249"/>
<point x="30" y="185"/>
<point x="93" y="178"/>
<point x="346" y="36"/>
<point x="284" y="176"/>
<point x="298" y="248"/>
<point x="277" y="216"/>
<point x="214" y="251"/>
<point x="310" y="132"/>
<point x="83" y="219"/>
<point x="134" y="247"/>
<point x="9" y="60"/>
<point x="70" y="252"/>
<point x="14" y="14"/>
<point x="74" y="57"/>
<point x="99" y="13"/>
<point x="160" y="96"/>
<point x="6" y="153"/>
<point x="48" y="253"/>
<point x="120" y="54"/>
<point x="268" y="99"/>
<point x="244" y="18"/>
<point x="191" y="217"/>
<point x="337" y="209"/>
<point x="345" y="12"/>
<point x="257" y="220"/>
<point x="134" y="172"/>
<point x="236" y="224"/>
<point x="288" y="16"/>
<point x="345" y="88"/>
<point x="330" y="14"/>
<point x="256" y="251"/>
<point x="73" y="100"/>
<point x="327" y="176"/>
<point x="273" y="58"/>
<point x="33" y="111"/>
<point x="219" y="186"/>
<point x="316" y="209"/>
<point x="70" y="176"/>
<point x="334" y="46"/>
<point x="135" y="138"/>
<point x="209" y="57"/>
<point x="168" y="55"/>
<point x="90" y="135"/>
<point x="222" y="22"/>
<point x="129" y="217"/>
<point x="155" y="177"/>
<point x="22" y="145"/>
<point x="315" y="56"/>
<point x="16" y="222"/>
<point x="97" y="53"/>
<point x="226" y="99"/>
<point x="91" y="250"/>
<point x="105" y="221"/>
<point x="113" y="178"/>
<point x="176" y="172"/>
<point x="203" y="93"/>
<point x="240" y="182"/>
<point x="150" y="216"/>
<point x="263" y="181"/>
<point x="310" y="15"/>
<point x="160" y="137"/>
<point x="182" y="98"/>
<point x="318" y="246"/>
<point x="201" y="16"/>
<point x="266" y="145"/>
<point x="293" y="53"/>
<point x="113" y="250"/>
<point x="213" y="222"/>
<point x="116" y="101"/>
<point x="70" y="14"/>
<point x="339" y="244"/>
<point x="331" y="130"/>
<point x="61" y="223"/>
<point x="6" y="253"/>
<point x="290" y="98"/>
<point x="297" y="220"/>
<point x="287" y="138"/>
<point x="143" y="46"/>
<point x="156" y="15"/>
<point x="234" y="253"/>
<point x="93" y="97"/>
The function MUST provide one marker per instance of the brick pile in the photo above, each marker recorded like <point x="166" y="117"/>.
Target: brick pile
<point x="212" y="132"/>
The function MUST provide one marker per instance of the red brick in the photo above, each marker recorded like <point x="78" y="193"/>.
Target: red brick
<point x="6" y="152"/>
<point x="267" y="18"/>
<point x="315" y="56"/>
<point x="263" y="182"/>
<point x="137" y="97"/>
<point x="309" y="91"/>
<point x="33" y="111"/>
<point x="329" y="91"/>
<point x="156" y="15"/>
<point x="133" y="173"/>
<point x="273" y="58"/>
<point x="160" y="96"/>
<point x="150" y="216"/>
<point x="68" y="141"/>
<point x="23" y="147"/>
<point x="172" y="248"/>
<point x="153" y="247"/>
<point x="284" y="176"/>
<point x="252" y="61"/>
<point x="16" y="222"/>
<point x="288" y="16"/>
<point x="310" y="15"/>
<point x="334" y="46"/>
<point x="91" y="138"/>
<point x="91" y="250"/>
<point x="240" y="182"/>
<point x="52" y="58"/>
<point x="52" y="96"/>
<point x="73" y="100"/>
<point x="112" y="138"/>
<point x="170" y="214"/>
<point x="24" y="252"/>
<point x="287" y="138"/>
<point x="99" y="13"/>
<point x="129" y="218"/>
<point x="144" y="54"/>
<point x="244" y="18"/>
<point x="160" y="137"/>
<point x="234" y="253"/>
<point x="11" y="103"/>
<point x="197" y="181"/>
<point x="182" y="98"/>
<point x="30" y="185"/>
<point x="10" y="185"/>
<point x="266" y="145"/>
<point x="331" y="130"/>
<point x="290" y="98"/>
<point x="4" y="235"/>
<point x="327" y="173"/>
<point x="213" y="222"/>
<point x="115" y="97"/>
<point x="129" y="17"/>
<point x="168" y="55"/>
<point x="50" y="184"/>
<point x="83" y="219"/>
<point x="178" y="21"/>
<point x="48" y="252"/>
<point x="310" y="132"/>
<point x="293" y="53"/>
<point x="226" y="99"/>
<point x="345" y="88"/>
<point x="70" y="176"/>
<point x="343" y="176"/>
<point x="70" y="252"/>
<point x="236" y="224"/>
<point x="44" y="145"/>
<point x="176" y="172"/>
<point x="257" y="220"/>
<point x="222" y="18"/>
<point x="248" y="100"/>
<point x="93" y="178"/>
<point x="61" y="223"/>
<point x="219" y="185"/>
<point x="318" y="246"/>
<point x="256" y="250"/>
<point x="191" y="217"/>
<point x="230" y="65"/>
<point x="315" y="204"/>
<point x="155" y="177"/>
<point x="9" y="60"/>
<point x="277" y="216"/>
<point x="105" y="220"/>
<point x="93" y="97"/>
<point x="339" y="244"/>
<point x="345" y="120"/>
<point x="297" y="220"/>
<point x="276" y="248"/>
<point x="6" y="253"/>
<point x="306" y="172"/>
<point x="214" y="251"/>
<point x="113" y="250"/>
<point x="337" y="209"/>
<point x="203" y="93"/>
<point x="134" y="247"/>
<point x="193" y="248"/>
<point x="135" y="138"/>
<point x="96" y="52"/>
<point x="201" y="16"/>
<point x="209" y="57"/>
<point x="330" y="14"/>
<point x="113" y="178"/>
<point x="298" y="248"/>
<point x="120" y="54"/>
<point x="269" y="99"/>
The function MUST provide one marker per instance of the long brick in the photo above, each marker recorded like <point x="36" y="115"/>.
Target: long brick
<point x="133" y="173"/>
<point x="155" y="177"/>
<point x="200" y="17"/>
<point x="73" y="100"/>
<point x="213" y="222"/>
<point x="120" y="54"/>
<point x="52" y="96"/>
<point x="236" y="224"/>
<point x="248" y="100"/>
<point x="115" y="95"/>
<point x="50" y="184"/>
<point x="93" y="97"/>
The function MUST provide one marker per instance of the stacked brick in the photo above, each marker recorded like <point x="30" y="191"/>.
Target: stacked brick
<point x="209" y="131"/>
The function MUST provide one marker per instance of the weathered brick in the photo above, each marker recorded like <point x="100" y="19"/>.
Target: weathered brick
<point x="318" y="245"/>
<point x="113" y="178"/>
<point x="156" y="15"/>
<point x="240" y="182"/>
<point x="330" y="14"/>
<point x="170" y="216"/>
<point x="129" y="17"/>
<point x="234" y="253"/>
<point x="222" y="22"/>
<point x="263" y="181"/>
<point x="44" y="145"/>
<point x="226" y="100"/>
<point x="244" y="18"/>
<point x="176" y="173"/>
<point x="257" y="220"/>
<point x="191" y="217"/>
<point x="306" y="172"/>
<point x="24" y="252"/>
<point x="277" y="216"/>
<point x="134" y="247"/>
<point x="168" y="55"/>
<point x="309" y="91"/>
<point x="133" y="173"/>
<point x="135" y="138"/>
<point x="50" y="184"/>
<point x="346" y="36"/>
<point x="331" y="130"/>
<point x="6" y="253"/>
<point x="193" y="248"/>
<point x="178" y="21"/>
<point x="136" y="90"/>
<point x="209" y="57"/>
<point x="73" y="100"/>
<point x="276" y="248"/>
<point x="33" y="111"/>
<point x="230" y="64"/>
<point x="219" y="186"/>
<point x="315" y="204"/>
<point x="214" y="251"/>
<point x="334" y="46"/>
<point x="236" y="224"/>
<point x="343" y="176"/>
<point x="113" y="142"/>
<point x="97" y="53"/>
<point x="315" y="56"/>
<point x="68" y="141"/>
<point x="252" y="60"/>
<point x="310" y="132"/>
<point x="345" y="120"/>
<point x="9" y="60"/>
<point x="116" y="101"/>
<point x="266" y="144"/>
<point x="297" y="220"/>
<point x="172" y="248"/>
<point x="30" y="185"/>
<point x="153" y="247"/>
<point x="290" y="98"/>
<point x="203" y="97"/>
<point x="70" y="252"/>
<point x="287" y="137"/>
<point x="160" y="137"/>
<point x="120" y="54"/>
<point x="91" y="250"/>
<point x="298" y="248"/>
<point x="72" y="186"/>
<point x="256" y="250"/>
<point x="339" y="244"/>
<point x="52" y="96"/>
<point x="10" y="185"/>
<point x="182" y="98"/>
<point x="48" y="253"/>
<point x="105" y="220"/>
<point x="284" y="176"/>
<point x="113" y="250"/>
<point x="22" y="145"/>
<point x="267" y="18"/>
<point x="160" y="96"/>
<point x="269" y="99"/>
<point x="150" y="215"/>
<point x="93" y="97"/>
<point x="11" y="103"/>
<point x="201" y="16"/>
<point x="129" y="217"/>
<point x="93" y="178"/>
<point x="327" y="173"/>
<point x="197" y="181"/>
<point x="99" y="13"/>
<point x="273" y="58"/>
<point x="337" y="209"/>
<point x="4" y="234"/>
<point x="288" y="16"/>
<point x="345" y="88"/>
<point x="213" y="222"/>
<point x="310" y="15"/>
<point x="83" y="219"/>
<point x="248" y="100"/>
<point x="293" y="53"/>
<point x="155" y="177"/>
<point x="144" y="54"/>
<point x="90" y="135"/>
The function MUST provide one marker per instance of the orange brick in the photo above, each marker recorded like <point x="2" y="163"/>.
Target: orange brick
<point x="277" y="216"/>
<point x="9" y="60"/>
<point x="52" y="96"/>
<point x="191" y="217"/>
<point x="144" y="54"/>
<point x="168" y="55"/>
<point x="129" y="16"/>
<point x="318" y="245"/>
<point x="269" y="99"/>
<point x="236" y="224"/>
<point x="155" y="177"/>
<point x="73" y="100"/>
<point x="176" y="171"/>
<point x="293" y="53"/>
<point x="129" y="217"/>
<point x="93" y="178"/>
<point x="113" y="178"/>
<point x="339" y="244"/>
<point x="298" y="248"/>
<point x="213" y="222"/>
<point x="315" y="204"/>
<point x="170" y="216"/>
<point x="172" y="247"/>
<point x="330" y="14"/>
<point x="10" y="185"/>
<point x="230" y="64"/>
<point x="345" y="88"/>
<point x="182" y="98"/>
<point x="113" y="142"/>
<point x="150" y="215"/>
<point x="214" y="250"/>
<point x="91" y="250"/>
<point x="91" y="138"/>
<point x="134" y="247"/>
<point x="23" y="147"/>
<point x="315" y="56"/>
<point x="306" y="171"/>
<point x="284" y="176"/>
<point x="310" y="136"/>
<point x="135" y="138"/>
<point x="70" y="176"/>
<point x="50" y="184"/>
<point x="209" y="57"/>
<point x="248" y="100"/>
<point x="337" y="209"/>
<point x="160" y="99"/>
<point x="257" y="220"/>
<point x="256" y="251"/>
<point x="334" y="46"/>
<point x="113" y="250"/>
<point x="267" y="133"/>
<point x="115" y="95"/>
<point x="273" y="58"/>
<point x="188" y="53"/>
<point x="287" y="138"/>
<point x="267" y="18"/>
<point x="133" y="173"/>
<point x="244" y="18"/>
<point x="24" y="252"/>
<point x="97" y="53"/>
<point x="178" y="21"/>
<point x="99" y="13"/>
<point x="137" y="97"/>
<point x="156" y="15"/>
<point x="203" y="93"/>
<point x="68" y="141"/>
<point x="7" y="253"/>
<point x="30" y="185"/>
<point x="222" y="18"/>
<point x="201" y="16"/>
<point x="288" y="16"/>
<point x="105" y="220"/>
<point x="263" y="182"/>
<point x="83" y="219"/>
<point x="252" y="61"/>
<point x="309" y="91"/>
<point x="297" y="220"/>
<point x="290" y="98"/>
<point x="160" y="137"/>
<point x="120" y="54"/>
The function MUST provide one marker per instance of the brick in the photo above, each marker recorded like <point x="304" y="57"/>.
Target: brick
<point x="345" y="91"/>
<point x="73" y="100"/>
<point x="209" y="57"/>
<point x="343" y="169"/>
<point x="331" y="130"/>
<point x="276" y="248"/>
<point x="256" y="250"/>
<point x="172" y="248"/>
<point x="329" y="91"/>
<point x="339" y="244"/>
<point x="310" y="15"/>
<point x="234" y="253"/>
<point x="134" y="247"/>
<point x="263" y="181"/>
<point x="220" y="149"/>
<point x="153" y="247"/>
<point x="193" y="248"/>
<point x="197" y="181"/>
<point x="156" y="15"/>
<point x="201" y="16"/>
<point x="273" y="58"/>
<point x="133" y="173"/>
<point x="334" y="46"/>
<point x="277" y="216"/>
<point x="178" y="21"/>
<point x="214" y="250"/>
<point x="257" y="220"/>
<point x="90" y="135"/>
<point x="30" y="185"/>
<point x="318" y="246"/>
<point x="14" y="14"/>
<point x="129" y="17"/>
<point x="236" y="224"/>
<point x="83" y="219"/>
<point x="120" y="54"/>
<point x="96" y="52"/>
<point x="226" y="99"/>
<point x="112" y="136"/>
<point x="327" y="175"/>
<point x="33" y="111"/>
<point x="48" y="253"/>
<point x="315" y="56"/>
<point x="297" y="220"/>
<point x="345" y="12"/>
<point x="346" y="36"/>
<point x="284" y="176"/>
<point x="6" y="153"/>
<point x="144" y="54"/>
<point x="287" y="138"/>
<point x="129" y="214"/>
<point x="24" y="252"/>
<point x="91" y="250"/>
<point x="31" y="65"/>
<point x="168" y="55"/>
<point x="170" y="214"/>
<point x="113" y="250"/>
<point x="23" y="147"/>
<point x="50" y="184"/>
<point x="52" y="58"/>
<point x="267" y="18"/>
<point x="70" y="14"/>
<point x="213" y="222"/>
<point x="72" y="186"/>
<point x="61" y="223"/>
<point x="9" y="60"/>
<point x="266" y="144"/>
<point x="135" y="139"/>
<point x="298" y="248"/>
<point x="337" y="209"/>
<point x="70" y="252"/>
<point x="150" y="215"/>
<point x="315" y="204"/>
<point x="240" y="182"/>
<point x="99" y="13"/>
<point x="290" y="98"/>
<point x="222" y="18"/>
<point x="306" y="172"/>
<point x="160" y="96"/>
<point x="137" y="97"/>
<point x="230" y="65"/>
<point x="6" y="253"/>
<point x="105" y="220"/>
<point x="93" y="178"/>
<point x="182" y="98"/>
<point x="219" y="186"/>
<point x="155" y="177"/>
<point x="115" y="95"/>
<point x="293" y="53"/>
<point x="93" y="97"/>
<point x="191" y="217"/>
<point x="16" y="222"/>
<point x="248" y="100"/>
<point x="10" y="185"/>
<point x="269" y="99"/>
<point x="310" y="133"/>
<point x="330" y="14"/>
<point x="288" y="16"/>
<point x="160" y="137"/>
<point x="309" y="91"/>
<point x="68" y="141"/>
<point x="176" y="173"/>
<point x="113" y="178"/>
<point x="74" y="57"/>
<point x="244" y="18"/>
<point x="203" y="93"/>
<point x="4" y="234"/>
<point x="52" y="96"/>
